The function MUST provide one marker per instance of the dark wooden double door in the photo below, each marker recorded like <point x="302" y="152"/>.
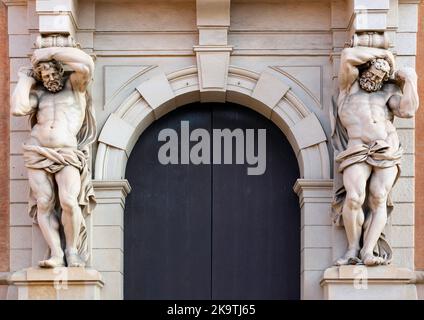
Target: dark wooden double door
<point x="212" y="231"/>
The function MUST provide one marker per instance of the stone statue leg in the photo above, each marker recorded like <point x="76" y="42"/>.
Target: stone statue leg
<point x="355" y="181"/>
<point x="42" y="186"/>
<point x="69" y="184"/>
<point x="381" y="183"/>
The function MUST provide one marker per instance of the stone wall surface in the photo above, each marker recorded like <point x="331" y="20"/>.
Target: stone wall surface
<point x="22" y="30"/>
<point x="419" y="140"/>
<point x="142" y="43"/>
<point x="4" y="142"/>
<point x="4" y="156"/>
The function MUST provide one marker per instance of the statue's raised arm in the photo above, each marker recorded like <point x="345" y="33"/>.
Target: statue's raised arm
<point x="351" y="58"/>
<point x="24" y="102"/>
<point x="81" y="63"/>
<point x="404" y="103"/>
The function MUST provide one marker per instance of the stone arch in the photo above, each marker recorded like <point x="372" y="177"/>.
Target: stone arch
<point x="151" y="95"/>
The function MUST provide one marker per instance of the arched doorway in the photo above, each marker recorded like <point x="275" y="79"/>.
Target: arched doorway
<point x="212" y="231"/>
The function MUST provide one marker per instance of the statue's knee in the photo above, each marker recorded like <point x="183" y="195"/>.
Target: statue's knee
<point x="354" y="201"/>
<point x="378" y="198"/>
<point x="68" y="203"/>
<point x="45" y="204"/>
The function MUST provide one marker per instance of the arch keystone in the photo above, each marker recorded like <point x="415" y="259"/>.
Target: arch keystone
<point x="212" y="65"/>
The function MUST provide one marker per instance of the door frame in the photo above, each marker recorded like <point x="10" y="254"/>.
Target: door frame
<point x="152" y="94"/>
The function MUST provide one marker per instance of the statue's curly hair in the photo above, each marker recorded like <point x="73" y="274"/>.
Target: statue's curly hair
<point x="383" y="65"/>
<point x="45" y="65"/>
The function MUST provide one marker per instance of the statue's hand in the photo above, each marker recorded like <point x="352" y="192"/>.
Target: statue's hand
<point x="405" y="73"/>
<point x="44" y="54"/>
<point x="26" y="72"/>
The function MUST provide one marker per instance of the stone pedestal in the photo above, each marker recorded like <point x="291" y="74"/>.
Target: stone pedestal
<point x="57" y="284"/>
<point x="358" y="282"/>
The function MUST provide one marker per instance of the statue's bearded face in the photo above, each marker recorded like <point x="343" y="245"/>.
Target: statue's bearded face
<point x="52" y="79"/>
<point x="370" y="82"/>
<point x="373" y="78"/>
<point x="51" y="74"/>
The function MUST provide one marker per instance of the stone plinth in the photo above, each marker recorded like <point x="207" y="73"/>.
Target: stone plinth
<point x="358" y="282"/>
<point x="57" y="284"/>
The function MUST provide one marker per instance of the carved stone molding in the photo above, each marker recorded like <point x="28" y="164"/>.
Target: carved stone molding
<point x="57" y="16"/>
<point x="318" y="190"/>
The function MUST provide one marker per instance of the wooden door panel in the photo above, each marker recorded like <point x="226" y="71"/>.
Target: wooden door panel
<point x="167" y="219"/>
<point x="255" y="249"/>
<point x="211" y="231"/>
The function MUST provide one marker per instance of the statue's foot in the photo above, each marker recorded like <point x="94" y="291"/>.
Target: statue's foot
<point x="369" y="259"/>
<point x="53" y="262"/>
<point x="74" y="260"/>
<point x="350" y="257"/>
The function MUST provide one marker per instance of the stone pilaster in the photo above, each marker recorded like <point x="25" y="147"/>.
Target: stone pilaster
<point x="316" y="243"/>
<point x="107" y="230"/>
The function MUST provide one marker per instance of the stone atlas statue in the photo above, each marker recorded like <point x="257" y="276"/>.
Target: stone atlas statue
<point x="367" y="149"/>
<point x="53" y="92"/>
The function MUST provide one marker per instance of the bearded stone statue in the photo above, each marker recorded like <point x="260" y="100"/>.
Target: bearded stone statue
<point x="56" y="152"/>
<point x="367" y="149"/>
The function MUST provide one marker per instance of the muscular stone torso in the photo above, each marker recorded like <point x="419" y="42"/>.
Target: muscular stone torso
<point x="59" y="118"/>
<point x="367" y="117"/>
